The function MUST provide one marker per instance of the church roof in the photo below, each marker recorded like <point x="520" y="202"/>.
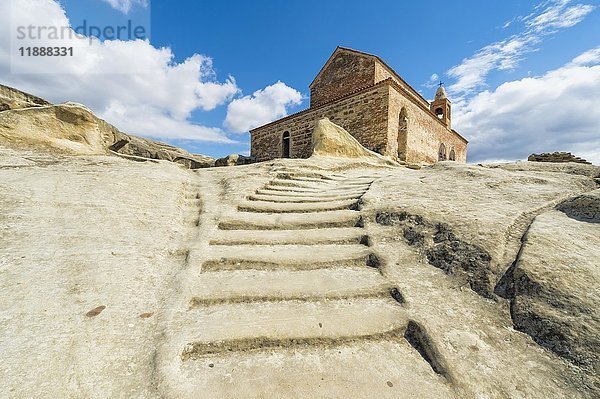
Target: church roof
<point x="378" y="59"/>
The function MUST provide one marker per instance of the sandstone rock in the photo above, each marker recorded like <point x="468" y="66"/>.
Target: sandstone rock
<point x="233" y="160"/>
<point x="11" y="98"/>
<point x="553" y="285"/>
<point x="140" y="147"/>
<point x="73" y="128"/>
<point x="332" y="140"/>
<point x="585" y="208"/>
<point x="240" y="295"/>
<point x="444" y="250"/>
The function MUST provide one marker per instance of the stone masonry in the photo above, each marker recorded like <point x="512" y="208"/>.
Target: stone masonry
<point x="359" y="92"/>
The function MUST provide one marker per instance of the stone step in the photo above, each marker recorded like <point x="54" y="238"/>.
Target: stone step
<point x="227" y="328"/>
<point x="285" y="257"/>
<point x="241" y="286"/>
<point x="372" y="366"/>
<point x="321" y="185"/>
<point x="297" y="190"/>
<point x="291" y="221"/>
<point x="290" y="237"/>
<point x="300" y="184"/>
<point x="282" y="207"/>
<point x="303" y="194"/>
<point x="287" y="174"/>
<point x="302" y="199"/>
<point x="300" y="178"/>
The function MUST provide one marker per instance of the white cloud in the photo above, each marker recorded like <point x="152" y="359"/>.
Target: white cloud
<point x="557" y="15"/>
<point x="154" y="123"/>
<point x="126" y="5"/>
<point x="590" y="57"/>
<point x="558" y="111"/>
<point x="132" y="84"/>
<point x="432" y="82"/>
<point x="506" y="54"/>
<point x="262" y="107"/>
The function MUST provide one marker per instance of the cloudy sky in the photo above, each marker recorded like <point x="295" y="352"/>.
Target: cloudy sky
<point x="523" y="76"/>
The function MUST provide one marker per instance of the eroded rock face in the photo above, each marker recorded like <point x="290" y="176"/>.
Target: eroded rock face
<point x="140" y="147"/>
<point x="585" y="208"/>
<point x="553" y="285"/>
<point x="444" y="250"/>
<point x="11" y="98"/>
<point x="73" y="128"/>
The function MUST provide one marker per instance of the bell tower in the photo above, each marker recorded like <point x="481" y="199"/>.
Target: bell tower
<point x="441" y="106"/>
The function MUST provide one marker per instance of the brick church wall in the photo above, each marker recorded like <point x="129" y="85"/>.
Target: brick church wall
<point x="363" y="114"/>
<point x="383" y="73"/>
<point x="424" y="134"/>
<point x="345" y="74"/>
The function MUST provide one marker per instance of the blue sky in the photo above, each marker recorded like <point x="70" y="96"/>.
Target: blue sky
<point x="494" y="58"/>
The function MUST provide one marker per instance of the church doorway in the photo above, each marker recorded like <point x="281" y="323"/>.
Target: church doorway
<point x="285" y="153"/>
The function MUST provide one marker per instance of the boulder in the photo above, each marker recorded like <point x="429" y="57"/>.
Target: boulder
<point x="331" y="140"/>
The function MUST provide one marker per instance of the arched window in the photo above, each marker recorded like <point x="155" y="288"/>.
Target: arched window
<point x="402" y="130"/>
<point x="285" y="143"/>
<point x="442" y="153"/>
<point x="452" y="156"/>
<point x="403" y="122"/>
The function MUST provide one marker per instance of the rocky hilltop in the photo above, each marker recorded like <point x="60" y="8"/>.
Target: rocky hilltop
<point x="341" y="275"/>
<point x="71" y="128"/>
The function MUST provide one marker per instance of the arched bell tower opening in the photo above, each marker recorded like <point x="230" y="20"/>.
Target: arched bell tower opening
<point x="441" y="106"/>
<point x="402" y="133"/>
<point x="285" y="145"/>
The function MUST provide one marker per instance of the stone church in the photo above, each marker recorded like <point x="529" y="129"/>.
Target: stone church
<point x="361" y="93"/>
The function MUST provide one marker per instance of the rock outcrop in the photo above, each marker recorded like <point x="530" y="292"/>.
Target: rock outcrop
<point x="585" y="208"/>
<point x="556" y="157"/>
<point x="553" y="284"/>
<point x="331" y="140"/>
<point x="30" y="122"/>
<point x="11" y="98"/>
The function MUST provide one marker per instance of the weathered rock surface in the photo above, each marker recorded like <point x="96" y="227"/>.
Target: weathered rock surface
<point x="15" y="99"/>
<point x="276" y="280"/>
<point x="554" y="285"/>
<point x="88" y="248"/>
<point x="29" y="122"/>
<point x="585" y="208"/>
